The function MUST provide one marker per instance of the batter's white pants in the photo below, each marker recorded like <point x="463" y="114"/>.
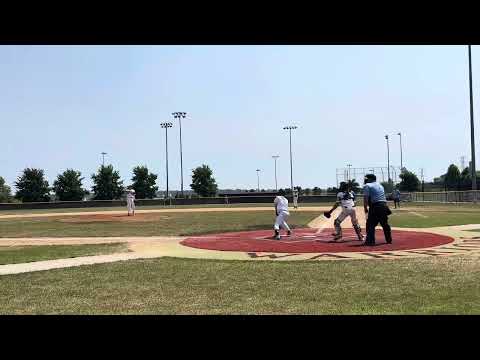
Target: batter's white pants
<point x="130" y="205"/>
<point x="281" y="221"/>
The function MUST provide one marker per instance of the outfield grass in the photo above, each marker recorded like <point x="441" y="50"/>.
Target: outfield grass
<point x="159" y="224"/>
<point x="446" y="285"/>
<point x="23" y="254"/>
<point x="150" y="207"/>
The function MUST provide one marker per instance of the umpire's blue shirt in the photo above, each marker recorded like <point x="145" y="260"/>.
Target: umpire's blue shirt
<point x="374" y="193"/>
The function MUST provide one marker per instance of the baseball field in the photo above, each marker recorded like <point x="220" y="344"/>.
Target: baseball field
<point x="178" y="261"/>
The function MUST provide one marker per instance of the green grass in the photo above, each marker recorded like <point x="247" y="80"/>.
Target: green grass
<point x="161" y="224"/>
<point x="433" y="218"/>
<point x="446" y="285"/>
<point x="150" y="207"/>
<point x="23" y="254"/>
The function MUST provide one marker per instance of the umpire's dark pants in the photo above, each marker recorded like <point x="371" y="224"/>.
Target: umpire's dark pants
<point x="378" y="213"/>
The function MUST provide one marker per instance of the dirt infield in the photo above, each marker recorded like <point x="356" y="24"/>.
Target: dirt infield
<point x="313" y="241"/>
<point x="442" y="241"/>
<point x="157" y="211"/>
<point x="82" y="219"/>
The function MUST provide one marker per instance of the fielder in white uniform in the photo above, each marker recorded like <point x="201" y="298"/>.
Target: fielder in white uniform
<point x="281" y="210"/>
<point x="346" y="199"/>
<point x="131" y="202"/>
<point x="295" y="199"/>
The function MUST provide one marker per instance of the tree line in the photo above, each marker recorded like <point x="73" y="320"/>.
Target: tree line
<point x="32" y="186"/>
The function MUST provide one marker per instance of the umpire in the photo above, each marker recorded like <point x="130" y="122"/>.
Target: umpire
<point x="375" y="205"/>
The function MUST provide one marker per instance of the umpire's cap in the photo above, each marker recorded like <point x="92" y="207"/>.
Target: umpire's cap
<point x="370" y="178"/>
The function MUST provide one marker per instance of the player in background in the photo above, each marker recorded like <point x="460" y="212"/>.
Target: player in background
<point x="281" y="211"/>
<point x="295" y="198"/>
<point x="346" y="199"/>
<point x="396" y="197"/>
<point x="131" y="202"/>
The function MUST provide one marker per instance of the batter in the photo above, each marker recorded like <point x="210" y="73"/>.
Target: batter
<point x="281" y="210"/>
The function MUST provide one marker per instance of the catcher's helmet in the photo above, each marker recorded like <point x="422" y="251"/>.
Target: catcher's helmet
<point x="281" y="192"/>
<point x="370" y="178"/>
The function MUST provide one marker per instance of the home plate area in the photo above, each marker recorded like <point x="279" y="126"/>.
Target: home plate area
<point x="312" y="241"/>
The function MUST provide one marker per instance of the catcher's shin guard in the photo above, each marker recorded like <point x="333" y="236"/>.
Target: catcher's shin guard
<point x="338" y="228"/>
<point x="358" y="230"/>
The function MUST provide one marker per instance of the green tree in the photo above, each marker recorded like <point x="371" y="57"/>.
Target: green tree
<point x="409" y="181"/>
<point x="107" y="184"/>
<point x="354" y="185"/>
<point x="32" y="186"/>
<point x="387" y="186"/>
<point x="68" y="186"/>
<point x="203" y="182"/>
<point x="5" y="192"/>
<point x="307" y="191"/>
<point x="143" y="183"/>
<point x="452" y="177"/>
<point x="317" y="191"/>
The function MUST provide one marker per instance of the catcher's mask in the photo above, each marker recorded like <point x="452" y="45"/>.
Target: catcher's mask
<point x="281" y="192"/>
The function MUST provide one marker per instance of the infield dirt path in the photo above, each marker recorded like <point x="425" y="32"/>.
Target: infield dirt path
<point x="174" y="210"/>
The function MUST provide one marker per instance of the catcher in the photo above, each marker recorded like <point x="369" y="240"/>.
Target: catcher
<point x="345" y="199"/>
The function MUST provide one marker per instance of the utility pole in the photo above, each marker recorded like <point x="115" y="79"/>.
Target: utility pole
<point x="166" y="125"/>
<point x="179" y="116"/>
<point x="103" y="158"/>
<point x="275" y="157"/>
<point x="388" y="158"/>
<point x="258" y="180"/>
<point x="401" y="152"/>
<point x="290" y="128"/>
<point x="472" y="130"/>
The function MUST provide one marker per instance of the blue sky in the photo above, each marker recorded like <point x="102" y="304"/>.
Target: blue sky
<point x="61" y="106"/>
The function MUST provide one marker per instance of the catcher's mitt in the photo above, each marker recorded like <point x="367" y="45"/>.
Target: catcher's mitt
<point x="327" y="214"/>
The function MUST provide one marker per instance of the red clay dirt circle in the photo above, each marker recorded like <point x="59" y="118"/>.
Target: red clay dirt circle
<point x="312" y="241"/>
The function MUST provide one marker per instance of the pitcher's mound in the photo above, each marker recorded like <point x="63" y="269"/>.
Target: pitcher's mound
<point x="312" y="241"/>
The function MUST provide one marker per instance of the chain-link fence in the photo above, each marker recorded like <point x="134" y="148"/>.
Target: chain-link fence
<point x="443" y="196"/>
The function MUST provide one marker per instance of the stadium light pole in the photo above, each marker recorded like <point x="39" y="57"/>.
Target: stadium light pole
<point x="348" y="173"/>
<point x="258" y="180"/>
<point x="275" y="157"/>
<point x="388" y="158"/>
<point x="290" y="128"/>
<point x="179" y="116"/>
<point x="472" y="130"/>
<point x="166" y="125"/>
<point x="103" y="158"/>
<point x="401" y="151"/>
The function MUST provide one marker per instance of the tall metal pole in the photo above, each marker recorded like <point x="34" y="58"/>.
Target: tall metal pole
<point x="472" y="130"/>
<point x="166" y="126"/>
<point x="290" y="128"/>
<point x="348" y="173"/>
<point x="103" y="158"/>
<point x="275" y="157"/>
<point x="388" y="158"/>
<point x="258" y="180"/>
<point x="401" y="152"/>
<point x="179" y="115"/>
<point x="166" y="155"/>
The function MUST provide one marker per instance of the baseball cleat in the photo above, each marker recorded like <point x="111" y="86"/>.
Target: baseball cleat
<point x="289" y="233"/>
<point x="337" y="237"/>
<point x="277" y="237"/>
